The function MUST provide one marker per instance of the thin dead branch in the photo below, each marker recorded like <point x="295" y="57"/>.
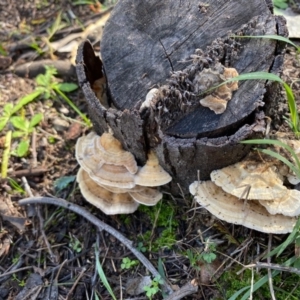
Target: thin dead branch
<point x="101" y="226"/>
<point x="188" y="289"/>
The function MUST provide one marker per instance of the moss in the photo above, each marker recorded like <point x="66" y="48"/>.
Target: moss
<point x="162" y="218"/>
<point x="285" y="285"/>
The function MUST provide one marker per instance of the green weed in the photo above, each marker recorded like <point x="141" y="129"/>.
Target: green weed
<point x="62" y="182"/>
<point x="16" y="186"/>
<point x="47" y="87"/>
<point x="21" y="283"/>
<point x="154" y="287"/>
<point x="141" y="247"/>
<point x="75" y="244"/>
<point x="127" y="263"/>
<point x="207" y="255"/>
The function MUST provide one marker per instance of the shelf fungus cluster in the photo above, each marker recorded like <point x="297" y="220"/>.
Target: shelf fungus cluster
<point x="252" y="194"/>
<point x="110" y="179"/>
<point x="218" y="99"/>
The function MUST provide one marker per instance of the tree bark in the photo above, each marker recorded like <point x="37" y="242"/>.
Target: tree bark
<point x="147" y="44"/>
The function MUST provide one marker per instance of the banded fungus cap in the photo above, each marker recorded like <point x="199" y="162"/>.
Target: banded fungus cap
<point x="214" y="103"/>
<point x="147" y="196"/>
<point x="111" y="175"/>
<point x="85" y="152"/>
<point x="152" y="174"/>
<point x="288" y="205"/>
<point x="231" y="209"/>
<point x="110" y="203"/>
<point x="231" y="73"/>
<point x="104" y="159"/>
<point x="111" y="152"/>
<point x="249" y="180"/>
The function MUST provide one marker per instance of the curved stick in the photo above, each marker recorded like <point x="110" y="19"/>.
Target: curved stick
<point x="101" y="226"/>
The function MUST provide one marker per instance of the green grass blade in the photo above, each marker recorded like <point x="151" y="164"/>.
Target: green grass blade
<point x="289" y="240"/>
<point x="270" y="36"/>
<point x="103" y="276"/>
<point x="283" y="159"/>
<point x="83" y="116"/>
<point x="6" y="154"/>
<point x="275" y="143"/>
<point x="260" y="282"/>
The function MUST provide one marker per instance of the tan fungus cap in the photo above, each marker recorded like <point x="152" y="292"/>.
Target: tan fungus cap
<point x="146" y="196"/>
<point x="231" y="209"/>
<point x="262" y="182"/>
<point x="114" y="176"/>
<point x="288" y="205"/>
<point x="110" y="203"/>
<point x="152" y="174"/>
<point x="228" y="74"/>
<point x="111" y="151"/>
<point x="214" y="103"/>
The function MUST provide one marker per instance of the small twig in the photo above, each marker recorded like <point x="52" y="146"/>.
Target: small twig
<point x="75" y="283"/>
<point x="101" y="226"/>
<point x="41" y="220"/>
<point x="274" y="267"/>
<point x="26" y="186"/>
<point x="269" y="270"/>
<point x="15" y="271"/>
<point x="187" y="289"/>
<point x="28" y="172"/>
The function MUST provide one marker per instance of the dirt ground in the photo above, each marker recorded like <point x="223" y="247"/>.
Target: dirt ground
<point x="47" y="252"/>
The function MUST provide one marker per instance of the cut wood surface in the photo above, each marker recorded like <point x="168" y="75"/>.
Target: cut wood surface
<point x="144" y="42"/>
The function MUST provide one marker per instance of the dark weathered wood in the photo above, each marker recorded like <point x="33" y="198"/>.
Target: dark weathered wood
<point x="144" y="41"/>
<point x="190" y="139"/>
<point x="127" y="126"/>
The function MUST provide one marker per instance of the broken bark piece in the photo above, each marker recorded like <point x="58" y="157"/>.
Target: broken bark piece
<point x="231" y="209"/>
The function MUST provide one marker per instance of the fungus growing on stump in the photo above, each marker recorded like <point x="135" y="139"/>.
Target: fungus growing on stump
<point x="234" y="210"/>
<point x="251" y="193"/>
<point x="110" y="179"/>
<point x="166" y="45"/>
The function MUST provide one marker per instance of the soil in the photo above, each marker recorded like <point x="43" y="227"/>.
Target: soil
<point x="49" y="252"/>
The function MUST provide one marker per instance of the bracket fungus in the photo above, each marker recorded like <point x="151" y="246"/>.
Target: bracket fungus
<point x="110" y="179"/>
<point x="152" y="174"/>
<point x="253" y="188"/>
<point x="250" y="180"/>
<point x="218" y="99"/>
<point x="288" y="205"/>
<point x="233" y="210"/>
<point x="110" y="203"/>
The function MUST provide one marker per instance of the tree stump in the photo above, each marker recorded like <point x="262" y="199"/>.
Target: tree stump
<point x="155" y="43"/>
